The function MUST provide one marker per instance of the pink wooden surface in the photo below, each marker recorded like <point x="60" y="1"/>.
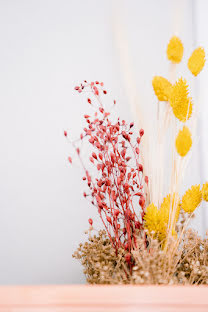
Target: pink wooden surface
<point x="103" y="298"/>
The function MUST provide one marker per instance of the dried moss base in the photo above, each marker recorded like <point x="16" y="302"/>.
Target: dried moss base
<point x="187" y="264"/>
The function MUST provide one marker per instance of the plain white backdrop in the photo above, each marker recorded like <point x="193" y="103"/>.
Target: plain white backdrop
<point x="47" y="47"/>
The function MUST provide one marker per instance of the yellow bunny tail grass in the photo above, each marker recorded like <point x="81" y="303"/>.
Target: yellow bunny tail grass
<point x="180" y="101"/>
<point x="175" y="50"/>
<point x="191" y="199"/>
<point x="156" y="220"/>
<point x="167" y="206"/>
<point x="205" y="191"/>
<point x="162" y="88"/>
<point x="183" y="141"/>
<point x="154" y="224"/>
<point x="196" y="61"/>
<point x="151" y="218"/>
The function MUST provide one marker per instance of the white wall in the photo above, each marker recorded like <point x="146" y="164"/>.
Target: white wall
<point x="201" y="25"/>
<point x="47" y="47"/>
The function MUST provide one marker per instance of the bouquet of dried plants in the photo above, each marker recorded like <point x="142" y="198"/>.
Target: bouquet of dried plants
<point x="146" y="238"/>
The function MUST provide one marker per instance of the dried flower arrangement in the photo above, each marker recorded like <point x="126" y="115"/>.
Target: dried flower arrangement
<point x="145" y="239"/>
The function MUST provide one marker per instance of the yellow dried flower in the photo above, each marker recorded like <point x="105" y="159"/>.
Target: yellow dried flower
<point x="180" y="101"/>
<point x="183" y="141"/>
<point x="162" y="88"/>
<point x="156" y="220"/>
<point x="175" y="50"/>
<point x="196" y="61"/>
<point x="168" y="205"/>
<point x="154" y="223"/>
<point x="151" y="218"/>
<point x="192" y="198"/>
<point x="205" y="191"/>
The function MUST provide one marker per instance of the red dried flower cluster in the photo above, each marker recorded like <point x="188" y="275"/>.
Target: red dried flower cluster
<point x="117" y="190"/>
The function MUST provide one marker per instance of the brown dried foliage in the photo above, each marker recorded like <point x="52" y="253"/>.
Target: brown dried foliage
<point x="101" y="264"/>
<point x="188" y="264"/>
<point x="193" y="265"/>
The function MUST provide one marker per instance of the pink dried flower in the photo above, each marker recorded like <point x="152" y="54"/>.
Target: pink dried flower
<point x="141" y="132"/>
<point x="118" y="177"/>
<point x="90" y="221"/>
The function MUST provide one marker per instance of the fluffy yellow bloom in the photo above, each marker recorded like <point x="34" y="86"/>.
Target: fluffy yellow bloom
<point x="151" y="218"/>
<point x="154" y="223"/>
<point x="156" y="220"/>
<point x="175" y="50"/>
<point x="205" y="191"/>
<point x="192" y="198"/>
<point x="162" y="88"/>
<point x="180" y="101"/>
<point x="168" y="205"/>
<point x="183" y="141"/>
<point x="196" y="61"/>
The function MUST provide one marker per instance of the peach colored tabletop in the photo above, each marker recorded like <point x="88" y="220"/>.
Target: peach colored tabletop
<point x="103" y="298"/>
